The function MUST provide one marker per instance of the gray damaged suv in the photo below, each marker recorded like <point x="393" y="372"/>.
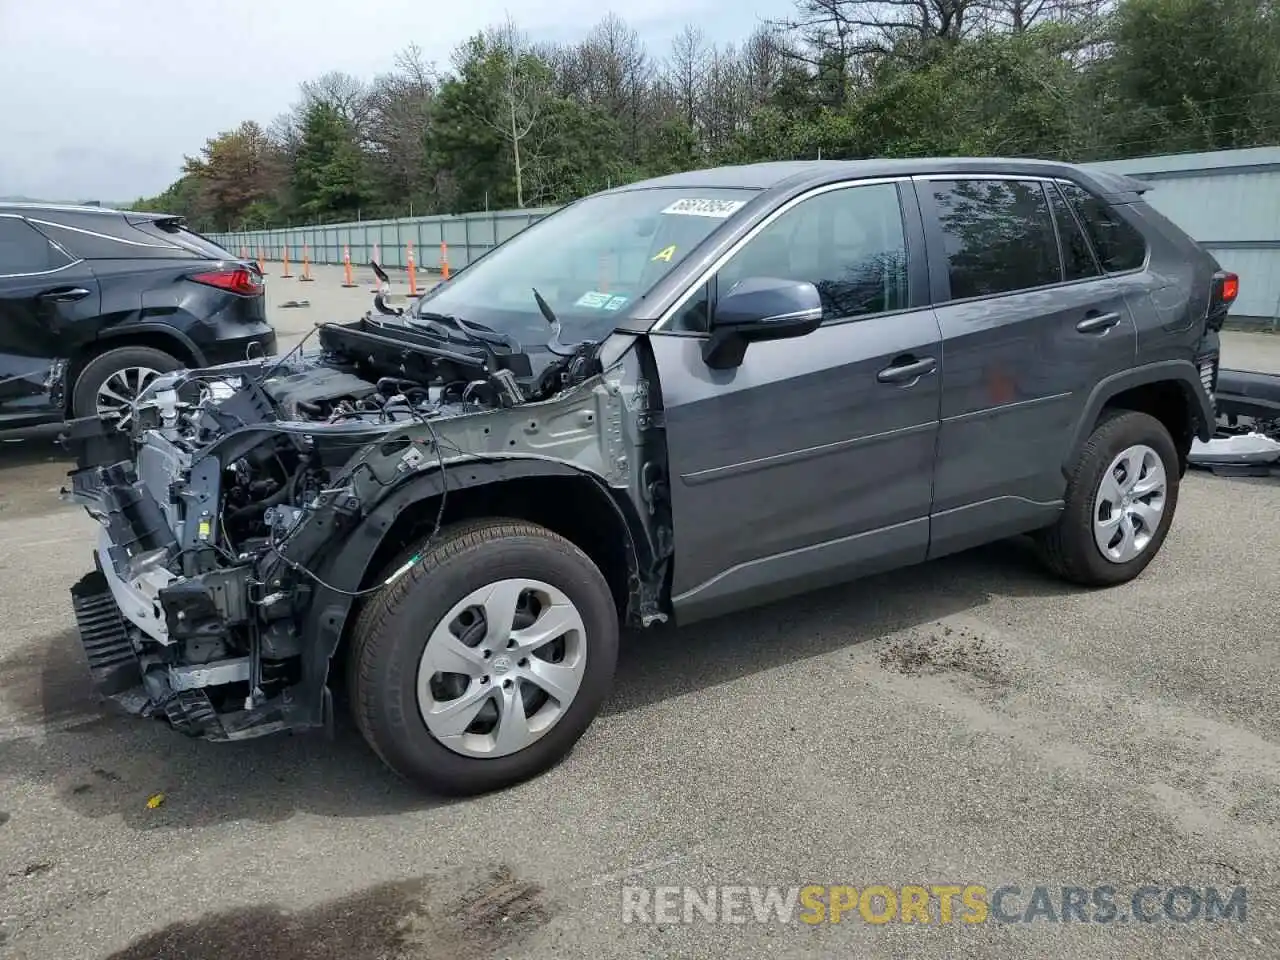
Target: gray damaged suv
<point x="663" y="402"/>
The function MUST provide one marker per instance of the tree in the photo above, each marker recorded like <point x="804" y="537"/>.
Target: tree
<point x="514" y="88"/>
<point x="329" y="177"/>
<point x="686" y="72"/>
<point x="399" y="122"/>
<point x="509" y="122"/>
<point x="234" y="171"/>
<point x="1195" y="74"/>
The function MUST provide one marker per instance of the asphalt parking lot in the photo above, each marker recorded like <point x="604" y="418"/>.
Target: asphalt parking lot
<point x="968" y="722"/>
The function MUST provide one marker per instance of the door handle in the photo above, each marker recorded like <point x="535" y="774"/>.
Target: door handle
<point x="907" y="371"/>
<point x="65" y="294"/>
<point x="1098" y="321"/>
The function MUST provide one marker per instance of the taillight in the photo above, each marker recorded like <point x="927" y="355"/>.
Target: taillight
<point x="236" y="280"/>
<point x="1226" y="287"/>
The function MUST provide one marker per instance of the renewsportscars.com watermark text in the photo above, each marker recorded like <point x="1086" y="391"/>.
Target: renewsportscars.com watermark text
<point x="932" y="904"/>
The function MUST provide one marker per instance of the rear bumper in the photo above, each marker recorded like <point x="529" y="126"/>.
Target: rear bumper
<point x="234" y="343"/>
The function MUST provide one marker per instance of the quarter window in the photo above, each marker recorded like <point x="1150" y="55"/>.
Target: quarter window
<point x="24" y="250"/>
<point x="1119" y="245"/>
<point x="998" y="236"/>
<point x="1077" y="258"/>
<point x="849" y="243"/>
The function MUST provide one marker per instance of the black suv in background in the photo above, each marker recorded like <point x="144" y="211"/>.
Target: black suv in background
<point x="95" y="303"/>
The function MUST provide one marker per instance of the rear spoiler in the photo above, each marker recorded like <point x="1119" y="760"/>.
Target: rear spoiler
<point x="165" y="221"/>
<point x="1118" y="187"/>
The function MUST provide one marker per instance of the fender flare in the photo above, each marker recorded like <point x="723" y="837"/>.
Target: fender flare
<point x="1182" y="372"/>
<point x="346" y="565"/>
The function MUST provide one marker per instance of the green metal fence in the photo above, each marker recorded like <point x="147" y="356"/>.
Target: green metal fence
<point x="465" y="237"/>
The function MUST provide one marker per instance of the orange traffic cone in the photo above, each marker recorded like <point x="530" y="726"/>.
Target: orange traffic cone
<point x="444" y="259"/>
<point x="413" y="274"/>
<point x="286" y="272"/>
<point x="346" y="267"/>
<point x="306" y="265"/>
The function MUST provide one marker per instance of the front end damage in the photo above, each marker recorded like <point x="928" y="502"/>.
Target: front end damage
<point x="1247" y="433"/>
<point x="240" y="517"/>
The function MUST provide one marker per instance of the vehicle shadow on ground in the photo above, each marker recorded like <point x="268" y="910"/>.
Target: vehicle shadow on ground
<point x="103" y="766"/>
<point x="661" y="663"/>
<point x="99" y="764"/>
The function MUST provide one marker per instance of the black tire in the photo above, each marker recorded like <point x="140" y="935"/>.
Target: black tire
<point x="84" y="392"/>
<point x="1068" y="548"/>
<point x="391" y="631"/>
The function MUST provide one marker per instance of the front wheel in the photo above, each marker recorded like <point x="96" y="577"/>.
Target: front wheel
<point x="486" y="662"/>
<point x="1120" y="502"/>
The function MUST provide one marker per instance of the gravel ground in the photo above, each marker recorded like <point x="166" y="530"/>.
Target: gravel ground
<point x="966" y="722"/>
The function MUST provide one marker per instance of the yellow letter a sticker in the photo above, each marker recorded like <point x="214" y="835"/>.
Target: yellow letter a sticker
<point x="666" y="254"/>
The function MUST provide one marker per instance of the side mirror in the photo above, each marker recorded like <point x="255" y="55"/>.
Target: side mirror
<point x="379" y="272"/>
<point x="760" y="308"/>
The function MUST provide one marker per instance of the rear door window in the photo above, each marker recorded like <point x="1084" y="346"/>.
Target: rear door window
<point x="106" y="237"/>
<point x="998" y="236"/>
<point x="24" y="250"/>
<point x="1120" y="246"/>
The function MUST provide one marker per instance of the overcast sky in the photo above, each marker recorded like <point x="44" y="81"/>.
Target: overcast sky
<point x="102" y="99"/>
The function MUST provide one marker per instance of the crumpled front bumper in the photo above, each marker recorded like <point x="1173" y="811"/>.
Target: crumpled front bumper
<point x="146" y="684"/>
<point x="132" y="612"/>
<point x="129" y="680"/>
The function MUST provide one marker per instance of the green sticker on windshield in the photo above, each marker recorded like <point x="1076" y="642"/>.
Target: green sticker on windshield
<point x="600" y="301"/>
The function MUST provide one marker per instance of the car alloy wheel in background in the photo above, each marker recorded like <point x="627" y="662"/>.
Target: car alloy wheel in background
<point x="116" y="394"/>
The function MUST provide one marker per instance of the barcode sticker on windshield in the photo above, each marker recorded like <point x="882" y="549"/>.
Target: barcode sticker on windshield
<point x="706" y="208"/>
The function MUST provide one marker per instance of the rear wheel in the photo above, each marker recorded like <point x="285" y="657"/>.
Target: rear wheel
<point x="110" y="382"/>
<point x="485" y="663"/>
<point x="1120" y="502"/>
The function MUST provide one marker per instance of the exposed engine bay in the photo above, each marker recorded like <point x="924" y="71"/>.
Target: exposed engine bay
<point x="238" y="512"/>
<point x="1247" y="433"/>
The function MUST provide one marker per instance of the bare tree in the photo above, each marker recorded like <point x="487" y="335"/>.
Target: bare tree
<point x="1018" y="16"/>
<point x="725" y="107"/>
<point x="837" y="36"/>
<point x="616" y="73"/>
<point x="522" y="83"/>
<point x="763" y="60"/>
<point x="399" y="121"/>
<point x="347" y="94"/>
<point x="686" y="72"/>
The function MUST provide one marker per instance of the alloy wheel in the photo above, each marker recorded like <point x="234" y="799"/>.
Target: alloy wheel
<point x="114" y="400"/>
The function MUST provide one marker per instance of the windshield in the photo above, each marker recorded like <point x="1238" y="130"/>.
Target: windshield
<point x="590" y="262"/>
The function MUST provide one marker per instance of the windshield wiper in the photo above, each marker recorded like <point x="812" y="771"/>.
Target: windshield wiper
<point x="554" y="344"/>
